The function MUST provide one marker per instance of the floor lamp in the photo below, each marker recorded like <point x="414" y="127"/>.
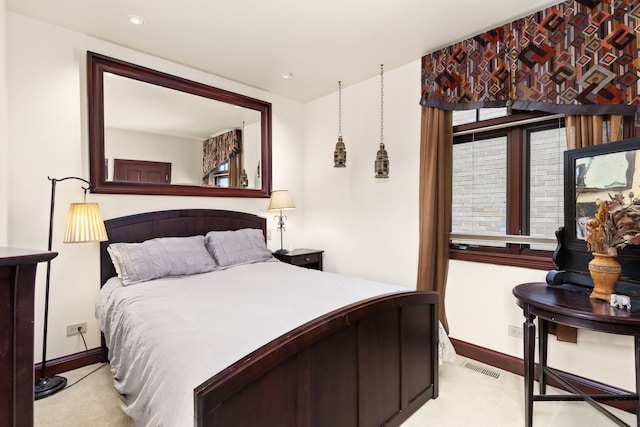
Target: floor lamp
<point x="280" y="200"/>
<point x="84" y="224"/>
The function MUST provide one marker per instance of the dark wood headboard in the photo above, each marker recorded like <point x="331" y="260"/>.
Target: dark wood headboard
<point x="171" y="223"/>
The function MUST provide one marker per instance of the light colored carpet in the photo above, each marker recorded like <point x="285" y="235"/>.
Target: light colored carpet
<point x="470" y="395"/>
<point x="85" y="402"/>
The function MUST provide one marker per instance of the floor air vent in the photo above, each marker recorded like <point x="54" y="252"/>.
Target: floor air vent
<point x="482" y="370"/>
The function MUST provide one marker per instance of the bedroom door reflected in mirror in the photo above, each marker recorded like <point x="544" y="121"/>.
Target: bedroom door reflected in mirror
<point x="209" y="142"/>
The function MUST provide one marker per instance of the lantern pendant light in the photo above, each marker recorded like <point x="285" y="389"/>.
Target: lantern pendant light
<point x="340" y="153"/>
<point x="381" y="164"/>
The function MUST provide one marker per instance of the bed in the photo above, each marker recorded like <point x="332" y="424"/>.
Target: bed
<point x="276" y="344"/>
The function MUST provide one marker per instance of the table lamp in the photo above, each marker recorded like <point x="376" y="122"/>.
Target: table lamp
<point x="280" y="200"/>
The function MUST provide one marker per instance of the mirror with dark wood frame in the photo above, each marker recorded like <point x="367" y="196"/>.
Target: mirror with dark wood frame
<point x="591" y="174"/>
<point x="155" y="133"/>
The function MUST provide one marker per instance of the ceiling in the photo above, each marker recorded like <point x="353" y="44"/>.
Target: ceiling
<point x="255" y="41"/>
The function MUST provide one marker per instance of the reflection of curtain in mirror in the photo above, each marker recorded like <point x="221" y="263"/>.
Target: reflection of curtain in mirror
<point x="235" y="169"/>
<point x="221" y="148"/>
<point x="586" y="131"/>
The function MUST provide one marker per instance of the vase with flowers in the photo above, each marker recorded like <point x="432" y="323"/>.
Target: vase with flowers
<point x="615" y="226"/>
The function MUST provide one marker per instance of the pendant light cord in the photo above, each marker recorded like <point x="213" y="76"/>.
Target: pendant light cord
<point x="339" y="108"/>
<point x="381" y="104"/>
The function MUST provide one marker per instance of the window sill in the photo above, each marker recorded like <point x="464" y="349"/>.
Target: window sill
<point x="542" y="261"/>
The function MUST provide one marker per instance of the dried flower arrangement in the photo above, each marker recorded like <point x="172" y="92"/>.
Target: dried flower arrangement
<point x="615" y="226"/>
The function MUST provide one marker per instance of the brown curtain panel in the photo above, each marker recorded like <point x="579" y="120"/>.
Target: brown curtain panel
<point x="436" y="164"/>
<point x="235" y="169"/>
<point x="586" y="131"/>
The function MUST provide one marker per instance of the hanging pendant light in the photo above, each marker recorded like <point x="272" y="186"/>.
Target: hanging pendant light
<point x="340" y="153"/>
<point x="381" y="165"/>
<point x="244" y="179"/>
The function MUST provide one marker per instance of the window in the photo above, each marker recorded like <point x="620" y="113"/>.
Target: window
<point x="221" y="175"/>
<point x="461" y="117"/>
<point x="479" y="188"/>
<point x="507" y="183"/>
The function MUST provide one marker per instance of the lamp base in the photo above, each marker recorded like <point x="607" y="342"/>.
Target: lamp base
<point x="281" y="251"/>
<point x="49" y="385"/>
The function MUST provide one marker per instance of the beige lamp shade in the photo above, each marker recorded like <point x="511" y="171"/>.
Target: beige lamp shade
<point x="280" y="199"/>
<point x="84" y="224"/>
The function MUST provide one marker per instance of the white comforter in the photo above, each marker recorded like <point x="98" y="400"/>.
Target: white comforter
<point x="167" y="336"/>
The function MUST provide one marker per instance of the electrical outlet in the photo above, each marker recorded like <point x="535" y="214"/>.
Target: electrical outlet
<point x="268" y="234"/>
<point x="515" y="331"/>
<point x="73" y="329"/>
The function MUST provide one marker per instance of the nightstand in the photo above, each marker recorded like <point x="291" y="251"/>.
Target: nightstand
<point x="308" y="258"/>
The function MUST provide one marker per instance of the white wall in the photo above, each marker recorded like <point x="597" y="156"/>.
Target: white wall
<point x="251" y="153"/>
<point x="366" y="225"/>
<point x="369" y="227"/>
<point x="48" y="134"/>
<point x="480" y="306"/>
<point x="4" y="134"/>
<point x="184" y="154"/>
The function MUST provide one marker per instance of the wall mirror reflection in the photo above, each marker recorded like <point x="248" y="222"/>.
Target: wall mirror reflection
<point x="598" y="176"/>
<point x="153" y="133"/>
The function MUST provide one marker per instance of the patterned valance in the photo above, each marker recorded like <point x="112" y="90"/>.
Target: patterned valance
<point x="578" y="57"/>
<point x="219" y="149"/>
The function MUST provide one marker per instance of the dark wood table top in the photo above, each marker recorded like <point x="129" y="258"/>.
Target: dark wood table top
<point x="302" y="251"/>
<point x="571" y="305"/>
<point x="17" y="256"/>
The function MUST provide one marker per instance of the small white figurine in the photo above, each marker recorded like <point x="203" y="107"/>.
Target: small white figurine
<point x="620" y="301"/>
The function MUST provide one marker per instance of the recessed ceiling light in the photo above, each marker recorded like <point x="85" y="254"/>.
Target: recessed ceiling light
<point x="135" y="19"/>
<point x="287" y="76"/>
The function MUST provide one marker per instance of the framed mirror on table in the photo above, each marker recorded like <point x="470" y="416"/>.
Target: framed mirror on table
<point x="592" y="174"/>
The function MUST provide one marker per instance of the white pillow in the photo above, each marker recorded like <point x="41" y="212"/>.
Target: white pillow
<point x="115" y="259"/>
<point x="161" y="257"/>
<point x="242" y="246"/>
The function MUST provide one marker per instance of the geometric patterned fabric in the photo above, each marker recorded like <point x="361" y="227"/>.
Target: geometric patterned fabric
<point x="219" y="149"/>
<point x="577" y="57"/>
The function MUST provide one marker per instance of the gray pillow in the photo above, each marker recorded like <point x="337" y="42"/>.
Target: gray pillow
<point x="161" y="257"/>
<point x="242" y="246"/>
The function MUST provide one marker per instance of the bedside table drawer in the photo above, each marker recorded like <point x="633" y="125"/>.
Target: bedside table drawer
<point x="306" y="259"/>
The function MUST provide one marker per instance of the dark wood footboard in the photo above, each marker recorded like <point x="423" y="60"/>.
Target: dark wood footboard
<point x="372" y="363"/>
